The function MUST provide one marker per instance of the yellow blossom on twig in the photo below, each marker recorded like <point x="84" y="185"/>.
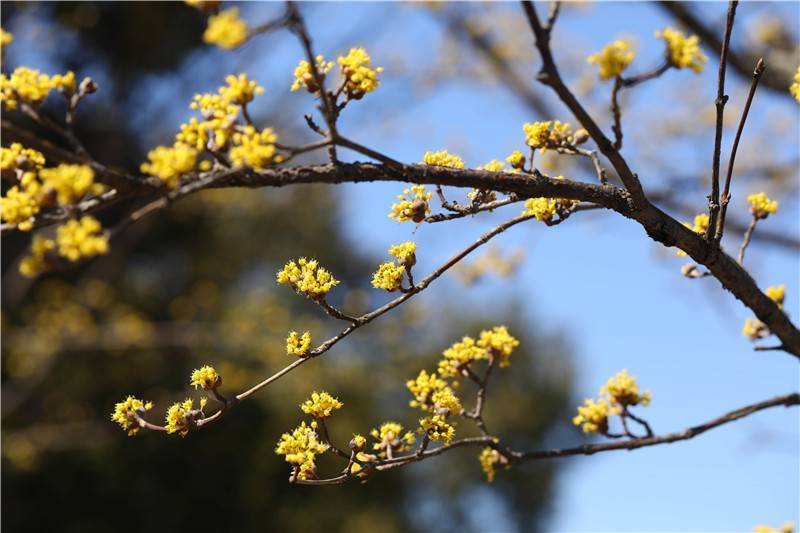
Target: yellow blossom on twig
<point x="613" y="59"/>
<point x="226" y="29"/>
<point x="298" y="345"/>
<point x="682" y="51"/>
<point x="205" y="377"/>
<point x="125" y="414"/>
<point x="306" y="277"/>
<point x="320" y="405"/>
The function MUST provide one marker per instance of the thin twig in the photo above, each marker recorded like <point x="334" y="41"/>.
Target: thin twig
<point x="721" y="100"/>
<point x="726" y="194"/>
<point x="746" y="239"/>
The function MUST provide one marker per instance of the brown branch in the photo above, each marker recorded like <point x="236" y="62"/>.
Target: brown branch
<point x="517" y="457"/>
<point x="746" y="239"/>
<point x="721" y="100"/>
<point x="726" y="193"/>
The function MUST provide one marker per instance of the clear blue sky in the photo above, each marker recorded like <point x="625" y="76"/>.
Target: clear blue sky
<point x="619" y="297"/>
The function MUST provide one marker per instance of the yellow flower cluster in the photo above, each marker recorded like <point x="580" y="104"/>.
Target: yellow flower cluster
<point x="301" y="448"/>
<point x="240" y="89"/>
<point x="776" y="293"/>
<point x="593" y="416"/>
<point x="619" y="393"/>
<point x="788" y="527"/>
<point x="321" y="405"/>
<point x="307" y="277"/>
<point x="761" y="206"/>
<point x="622" y="390"/>
<point x="496" y="343"/>
<point x="699" y="226"/>
<point x="70" y="182"/>
<point x="17" y="157"/>
<point x="303" y="77"/>
<point x="414" y="208"/>
<point x="389" y="276"/>
<point x="423" y="388"/>
<point x="226" y="29"/>
<point x="169" y="163"/>
<point x="254" y="149"/>
<point x="794" y="88"/>
<point x="516" y="160"/>
<point x="493" y="166"/>
<point x="360" y="77"/>
<point x="181" y="416"/>
<point x="544" y="209"/>
<point x="298" y="345"/>
<point x="754" y="329"/>
<point x="6" y="38"/>
<point x="206" y="377"/>
<point x="125" y="414"/>
<point x="405" y="253"/>
<point x="613" y="59"/>
<point x="391" y="439"/>
<point x="442" y="159"/>
<point x="37" y="262"/>
<point x="438" y="428"/>
<point x="682" y="51"/>
<point x="30" y="86"/>
<point x="548" y="134"/>
<point x="81" y="239"/>
<point x="39" y="187"/>
<point x="489" y="458"/>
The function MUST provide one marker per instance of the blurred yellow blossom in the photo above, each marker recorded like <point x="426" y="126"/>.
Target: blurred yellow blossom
<point x="423" y="389"/>
<point x="170" y="163"/>
<point x="622" y="390"/>
<point x="548" y="134"/>
<point x="516" y="159"/>
<point x="682" y="51"/>
<point x="794" y="89"/>
<point x="489" y="458"/>
<point x="592" y="417"/>
<point x="754" y="329"/>
<point x="240" y="89"/>
<point x="613" y="59"/>
<point x="226" y="29"/>
<point x="500" y="342"/>
<point x="81" y="239"/>
<point x="254" y="149"/>
<point x="303" y="77"/>
<point x="761" y="206"/>
<point x="776" y="293"/>
<point x="360" y="77"/>
<point x="70" y="182"/>
<point x="36" y="263"/>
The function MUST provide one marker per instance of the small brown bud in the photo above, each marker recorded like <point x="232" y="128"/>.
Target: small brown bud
<point x="580" y="137"/>
<point x="87" y="86"/>
<point x="310" y="83"/>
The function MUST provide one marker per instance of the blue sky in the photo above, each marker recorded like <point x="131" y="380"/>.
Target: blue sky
<point x="598" y="278"/>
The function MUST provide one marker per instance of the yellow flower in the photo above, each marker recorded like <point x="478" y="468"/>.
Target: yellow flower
<point x="303" y="77"/>
<point x="682" y="51"/>
<point x="500" y="343"/>
<point x="360" y="78"/>
<point x="391" y="439"/>
<point x="169" y="164"/>
<point x="240" y="89"/>
<point x="6" y="38"/>
<point x="205" y="377"/>
<point x="301" y="448"/>
<point x="125" y="414"/>
<point x="414" y="208"/>
<point x="516" y="159"/>
<point x="623" y="391"/>
<point x="357" y="469"/>
<point x="405" y="253"/>
<point x="761" y="206"/>
<point x="754" y="329"/>
<point x="541" y="208"/>
<point x="81" y="239"/>
<point x="70" y="182"/>
<point x="459" y="356"/>
<point x="493" y="166"/>
<point x="389" y="276"/>
<point x="776" y="293"/>
<point x="794" y="89"/>
<point x="438" y="429"/>
<point x="181" y="416"/>
<point x="549" y="134"/>
<point x="20" y="205"/>
<point x="298" y="345"/>
<point x="613" y="59"/>
<point x="31" y="86"/>
<point x="442" y="159"/>
<point x="254" y="149"/>
<point x="788" y="527"/>
<point x="489" y="458"/>
<point x="423" y="389"/>
<point x="321" y="405"/>
<point x="306" y="277"/>
<point x="593" y="416"/>
<point x="17" y="156"/>
<point x="36" y="263"/>
<point x="445" y="402"/>
<point x="700" y="227"/>
<point x="358" y="442"/>
<point x="226" y="29"/>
